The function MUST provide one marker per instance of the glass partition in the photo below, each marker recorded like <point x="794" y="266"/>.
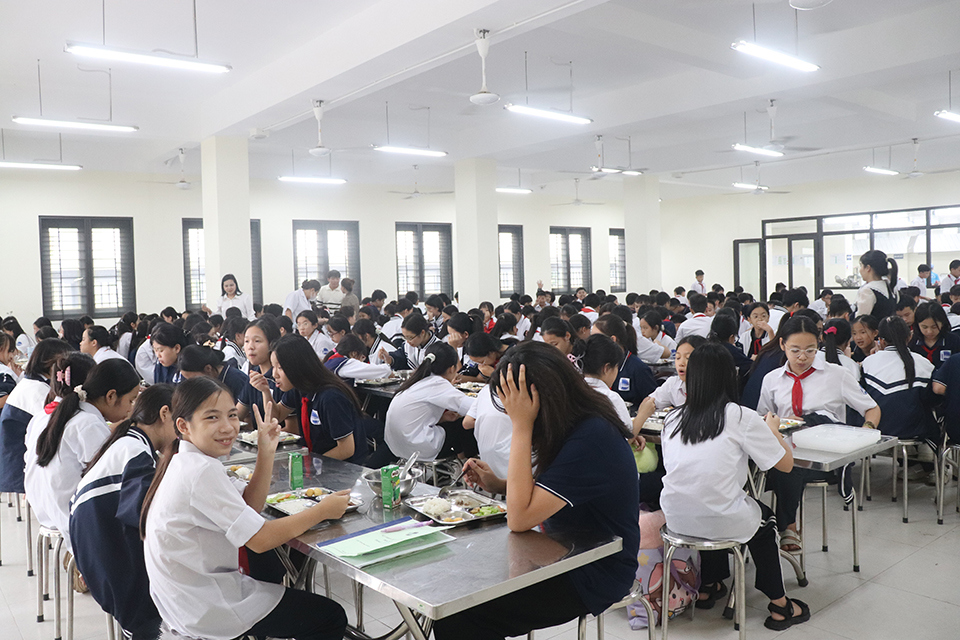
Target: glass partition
<point x="950" y="215"/>
<point x="841" y="259"/>
<point x="908" y="248"/>
<point x="900" y="219"/>
<point x="847" y="223"/>
<point x="778" y="265"/>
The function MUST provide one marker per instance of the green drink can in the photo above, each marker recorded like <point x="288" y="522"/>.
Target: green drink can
<point x="390" y="486"/>
<point x="296" y="470"/>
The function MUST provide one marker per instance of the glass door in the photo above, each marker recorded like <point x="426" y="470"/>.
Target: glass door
<point x="803" y="264"/>
<point x="747" y="266"/>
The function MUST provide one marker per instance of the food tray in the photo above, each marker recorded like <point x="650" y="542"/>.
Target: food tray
<point x="664" y="361"/>
<point x="653" y="425"/>
<point x="240" y="471"/>
<point x="297" y="500"/>
<point x="250" y="438"/>
<point x="379" y="382"/>
<point x="471" y="387"/>
<point x="459" y="513"/>
<point x="786" y="424"/>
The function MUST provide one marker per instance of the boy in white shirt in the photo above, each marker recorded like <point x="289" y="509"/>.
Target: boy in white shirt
<point x="948" y="281"/>
<point x="330" y="294"/>
<point x="920" y="282"/>
<point x="822" y="304"/>
<point x="698" y="285"/>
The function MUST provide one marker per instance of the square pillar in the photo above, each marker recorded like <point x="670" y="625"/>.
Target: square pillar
<point x="476" y="261"/>
<point x="641" y="223"/>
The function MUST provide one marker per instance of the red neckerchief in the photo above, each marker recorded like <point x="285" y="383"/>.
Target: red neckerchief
<point x="305" y="422"/>
<point x="929" y="351"/>
<point x="699" y="315"/>
<point x="587" y="310"/>
<point x="797" y="395"/>
<point x="50" y="408"/>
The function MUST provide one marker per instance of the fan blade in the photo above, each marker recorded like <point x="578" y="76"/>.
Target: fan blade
<point x="562" y="204"/>
<point x="777" y="192"/>
<point x="942" y="171"/>
<point x="591" y="203"/>
<point x="801" y="149"/>
<point x="410" y="197"/>
<point x="435" y="193"/>
<point x="405" y="193"/>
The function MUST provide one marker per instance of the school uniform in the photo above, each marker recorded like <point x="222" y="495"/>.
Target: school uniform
<point x="330" y="298"/>
<point x="777" y="314"/>
<point x="392" y="332"/>
<point x="590" y="313"/>
<point x="105" y="531"/>
<point x="252" y="397"/>
<point x="672" y="393"/>
<point x="50" y="488"/>
<point x="618" y="405"/>
<point x="697" y="325"/>
<point x="297" y="302"/>
<point x="166" y="375"/>
<point x="635" y="380"/>
<point x="949" y="376"/>
<point x="241" y="301"/>
<point x="145" y="361"/>
<point x="349" y="369"/>
<point x="328" y="416"/>
<point x="648" y="350"/>
<point x="413" y="417"/>
<point x="905" y="410"/>
<point x="940" y="352"/>
<point x="873" y="298"/>
<point x="8" y="380"/>
<point x="233" y="354"/>
<point x="321" y="343"/>
<point x="493" y="431"/>
<point x="670" y="329"/>
<point x="489" y="325"/>
<point x="751" y="344"/>
<point x="123" y="346"/>
<point x="664" y="341"/>
<point x="849" y="364"/>
<point x="699" y="287"/>
<point x="820" y="307"/>
<point x="26" y="344"/>
<point x="25" y="401"/>
<point x="380" y="343"/>
<point x="410" y="357"/>
<point x="523" y="325"/>
<point x="946" y="283"/>
<point x="106" y="353"/>
<point x="234" y="380"/>
<point x="920" y="283"/>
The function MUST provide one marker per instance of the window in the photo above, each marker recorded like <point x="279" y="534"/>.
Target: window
<point x="570" y="259"/>
<point x="618" y="261"/>
<point x="424" y="259"/>
<point x="322" y="245"/>
<point x="195" y="261"/>
<point x="87" y="267"/>
<point x="511" y="260"/>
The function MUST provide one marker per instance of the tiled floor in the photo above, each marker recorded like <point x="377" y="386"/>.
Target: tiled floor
<point x="907" y="588"/>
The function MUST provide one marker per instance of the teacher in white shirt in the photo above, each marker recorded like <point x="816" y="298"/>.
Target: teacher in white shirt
<point x="231" y="296"/>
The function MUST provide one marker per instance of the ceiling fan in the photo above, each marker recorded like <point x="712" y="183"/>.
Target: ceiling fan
<point x="915" y="173"/>
<point x="319" y="151"/>
<point x="416" y="193"/>
<point x="753" y="189"/>
<point x="182" y="183"/>
<point x="576" y="202"/>
<point x="783" y="142"/>
<point x="483" y="97"/>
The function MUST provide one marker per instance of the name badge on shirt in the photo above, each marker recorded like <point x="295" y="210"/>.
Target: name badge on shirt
<point x="623" y="384"/>
<point x="945" y="355"/>
<point x="314" y="417"/>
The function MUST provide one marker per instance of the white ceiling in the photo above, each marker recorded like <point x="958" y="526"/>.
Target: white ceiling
<point x="659" y="71"/>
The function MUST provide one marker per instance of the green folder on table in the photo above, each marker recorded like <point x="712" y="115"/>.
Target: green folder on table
<point x="377" y="546"/>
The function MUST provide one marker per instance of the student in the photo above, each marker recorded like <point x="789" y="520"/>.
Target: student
<point x="195" y="361"/>
<point x="590" y="305"/>
<point x="723" y="329"/>
<point x="71" y="331"/>
<point x="393" y="329"/>
<point x="899" y="380"/>
<point x="760" y="333"/>
<point x="300" y="300"/>
<point x="946" y="382"/>
<point x="330" y="295"/>
<point x="96" y="343"/>
<point x="308" y="326"/>
<point x="167" y="341"/>
<point x="126" y="330"/>
<point x="460" y="327"/>
<point x="601" y="364"/>
<point x="698" y="286"/>
<point x="349" y="361"/>
<point x="486" y="351"/>
<point x="25" y="344"/>
<point x="350" y="299"/>
<point x="194" y="519"/>
<point x="707" y="444"/>
<point x="373" y="339"/>
<point x="330" y="416"/>
<point x="505" y="328"/>
<point x="840" y="308"/>
<point x="635" y="380"/>
<point x="651" y="328"/>
<point x="417" y="337"/>
<point x="262" y="390"/>
<point x="231" y="297"/>
<point x="920" y="282"/>
<point x="10" y="373"/>
<point x="337" y="327"/>
<point x="105" y="513"/>
<point x="145" y="360"/>
<point x="933" y="339"/>
<point x="876" y="297"/>
<point x="836" y="339"/>
<point x="864" y="332"/>
<point x="434" y="306"/>
<point x="60" y="446"/>
<point x="906" y="310"/>
<point x="231" y="342"/>
<point x="489" y="319"/>
<point x="558" y="333"/>
<point x="585" y="479"/>
<point x="421" y="416"/>
<point x="948" y="281"/>
<point x="673" y="392"/>
<point x="815" y="393"/>
<point x="699" y="322"/>
<point x="378" y="298"/>
<point x="822" y="304"/>
<point x="581" y="326"/>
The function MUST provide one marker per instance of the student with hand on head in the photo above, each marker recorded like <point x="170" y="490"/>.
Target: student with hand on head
<point x="300" y="300"/>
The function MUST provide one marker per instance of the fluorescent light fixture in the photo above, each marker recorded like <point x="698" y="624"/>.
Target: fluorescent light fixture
<point x="186" y="63"/>
<point x="631" y="172"/>
<point x="39" y="165"/>
<point x="412" y="151"/>
<point x="750" y="187"/>
<point x="311" y="180"/>
<point x="597" y="169"/>
<point x="546" y="113"/>
<point x="948" y="115"/>
<point x="519" y="190"/>
<point x="757" y="150"/>
<point x="75" y="124"/>
<point x="770" y="55"/>
<point x="881" y="171"/>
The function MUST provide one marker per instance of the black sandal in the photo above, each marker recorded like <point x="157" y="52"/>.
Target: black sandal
<point x="787" y="612"/>
<point x="719" y="591"/>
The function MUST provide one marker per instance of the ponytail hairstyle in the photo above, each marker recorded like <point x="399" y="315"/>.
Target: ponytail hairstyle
<point x="505" y="323"/>
<point x="200" y="334"/>
<point x="437" y="360"/>
<point x="188" y="397"/>
<point x="723" y="327"/>
<point x="930" y="311"/>
<point x="127" y="323"/>
<point x="100" y="335"/>
<point x="538" y="319"/>
<point x="11" y="324"/>
<point x="72" y="330"/>
<point x="231" y="328"/>
<point x="415" y="323"/>
<point x="146" y="411"/>
<point x="836" y="331"/>
<point x="350" y="344"/>
<point x="653" y="319"/>
<point x="94" y="381"/>
<point x="364" y="327"/>
<point x="167" y="335"/>
<point x="895" y="332"/>
<point x="882" y="266"/>
<point x="613" y="326"/>
<point x="303" y="368"/>
<point x="599" y="353"/>
<point x="579" y="321"/>
<point x="44" y="357"/>
<point x="465" y="323"/>
<point x="195" y="359"/>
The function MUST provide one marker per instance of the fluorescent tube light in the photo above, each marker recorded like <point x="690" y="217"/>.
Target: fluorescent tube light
<point x="311" y="180"/>
<point x="39" y="165"/>
<point x="770" y="55"/>
<point x="948" y="115"/>
<point x="881" y="171"/>
<point x="631" y="172"/>
<point x="750" y="187"/>
<point x="412" y="151"/>
<point x="172" y="61"/>
<point x="76" y="124"/>
<point x="519" y="190"/>
<point x="757" y="150"/>
<point x="545" y="113"/>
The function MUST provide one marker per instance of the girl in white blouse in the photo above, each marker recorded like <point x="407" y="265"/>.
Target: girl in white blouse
<point x="195" y="518"/>
<point x="231" y="296"/>
<point x="601" y="365"/>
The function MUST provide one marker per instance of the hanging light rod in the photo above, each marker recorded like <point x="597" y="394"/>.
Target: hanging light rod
<point x="750" y="187"/>
<point x="753" y="49"/>
<point x="881" y="171"/>
<point x="75" y="124"/>
<point x="411" y="151"/>
<point x="757" y="150"/>
<point x="546" y="113"/>
<point x="517" y="190"/>
<point x="4" y="164"/>
<point x="311" y="180"/>
<point x="173" y="61"/>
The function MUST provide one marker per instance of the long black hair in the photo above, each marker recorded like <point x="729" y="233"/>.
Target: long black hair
<point x="223" y="281"/>
<point x="836" y="331"/>
<point x="268" y="325"/>
<point x="336" y="324"/>
<point x="114" y="374"/>
<point x="437" y="360"/>
<point x="464" y="323"/>
<point x="505" y="323"/>
<point x="723" y="327"/>
<point x="613" y="326"/>
<point x="44" y="356"/>
<point x="232" y="327"/>
<point x="931" y="311"/>
<point x="126" y="324"/>
<point x="167" y="335"/>
<point x="882" y="266"/>
<point x="146" y="411"/>
<point x="415" y="323"/>
<point x="565" y="398"/>
<point x="711" y="385"/>
<point x="600" y="352"/>
<point x="100" y="335"/>
<point x="195" y="359"/>
<point x="348" y="345"/>
<point x="303" y="368"/>
<point x="480" y="345"/>
<point x="11" y="324"/>
<point x="895" y="332"/>
<point x="72" y="332"/>
<point x="364" y="327"/>
<point x="538" y="319"/>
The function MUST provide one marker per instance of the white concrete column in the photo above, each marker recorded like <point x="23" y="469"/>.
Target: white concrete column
<point x="476" y="261"/>
<point x="225" y="180"/>
<point x="641" y="223"/>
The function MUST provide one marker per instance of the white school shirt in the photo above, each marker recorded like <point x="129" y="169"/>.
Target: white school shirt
<point x="356" y="370"/>
<point x="664" y="341"/>
<point x="5" y="370"/>
<point x="195" y="526"/>
<point x="946" y="283"/>
<point x="849" y="364"/>
<point x="698" y="325"/>
<point x="523" y="325"/>
<point x="380" y="343"/>
<point x="413" y="416"/>
<point x="648" y="350"/>
<point x="25" y="344"/>
<point x="703" y="492"/>
<point x="50" y="488"/>
<point x="493" y="431"/>
<point x="106" y="353"/>
<point x="618" y="404"/>
<point x="332" y="298"/>
<point x="297" y="302"/>
<point x="672" y="393"/>
<point x="241" y="301"/>
<point x="884" y="371"/>
<point x="699" y="287"/>
<point x="828" y="390"/>
<point x="744" y="325"/>
<point x="746" y="339"/>
<point x="777" y="314"/>
<point x="590" y="314"/>
<point x="145" y="361"/>
<point x="820" y="307"/>
<point x="392" y="329"/>
<point x="920" y="283"/>
<point x="123" y="344"/>
<point x="321" y="343"/>
<point x="232" y="351"/>
<point x="682" y="300"/>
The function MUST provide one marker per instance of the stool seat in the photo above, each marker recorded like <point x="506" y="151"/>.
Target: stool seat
<point x="693" y="542"/>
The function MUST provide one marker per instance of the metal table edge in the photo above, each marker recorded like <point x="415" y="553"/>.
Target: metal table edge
<point x="886" y="442"/>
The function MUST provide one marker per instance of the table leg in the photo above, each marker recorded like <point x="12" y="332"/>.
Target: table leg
<point x="856" y="537"/>
<point x="418" y="632"/>
<point x="358" y="603"/>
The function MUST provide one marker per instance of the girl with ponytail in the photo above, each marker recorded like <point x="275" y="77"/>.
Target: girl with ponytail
<point x="90" y="397"/>
<point x="231" y="341"/>
<point x="417" y="337"/>
<point x="167" y="341"/>
<point x="876" y="296"/>
<point x="105" y="513"/>
<point x="418" y="416"/>
<point x="196" y="361"/>
<point x="635" y="380"/>
<point x="369" y="332"/>
<point x="836" y="339"/>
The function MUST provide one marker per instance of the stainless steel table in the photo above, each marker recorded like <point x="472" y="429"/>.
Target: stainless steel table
<point x="244" y="454"/>
<point x="484" y="562"/>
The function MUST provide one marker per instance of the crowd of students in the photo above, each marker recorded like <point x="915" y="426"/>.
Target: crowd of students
<point x="553" y="425"/>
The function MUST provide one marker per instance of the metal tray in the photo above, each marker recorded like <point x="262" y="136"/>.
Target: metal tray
<point x="299" y="498"/>
<point x="459" y="514"/>
<point x="239" y="471"/>
<point x="249" y="438"/>
<point x="379" y="382"/>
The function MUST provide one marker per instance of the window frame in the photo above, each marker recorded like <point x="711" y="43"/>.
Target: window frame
<point x="256" y="261"/>
<point x="621" y="261"/>
<point x="445" y="259"/>
<point x="516" y="231"/>
<point x="352" y="228"/>
<point x="586" y="257"/>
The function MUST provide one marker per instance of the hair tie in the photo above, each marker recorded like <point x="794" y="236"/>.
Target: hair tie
<point x="830" y="330"/>
<point x="430" y="357"/>
<point x="210" y="344"/>
<point x="66" y="376"/>
<point x="59" y="376"/>
<point x="80" y="392"/>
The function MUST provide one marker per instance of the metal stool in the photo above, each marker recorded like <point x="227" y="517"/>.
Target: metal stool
<point x="635" y="595"/>
<point x="902" y="448"/>
<point x="449" y="466"/>
<point x="949" y="456"/>
<point x="673" y="541"/>
<point x="45" y="537"/>
<point x="822" y="485"/>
